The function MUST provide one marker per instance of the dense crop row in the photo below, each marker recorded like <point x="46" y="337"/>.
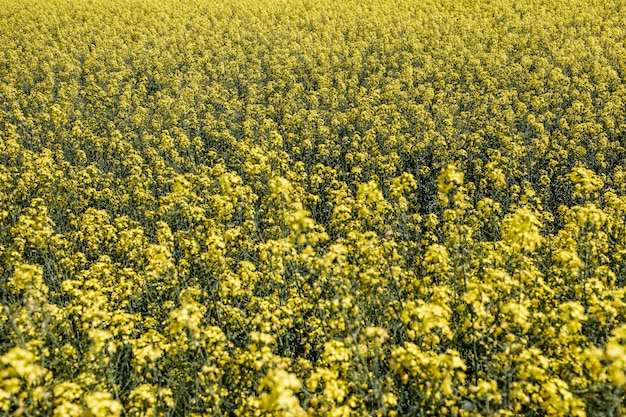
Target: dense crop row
<point x="293" y="208"/>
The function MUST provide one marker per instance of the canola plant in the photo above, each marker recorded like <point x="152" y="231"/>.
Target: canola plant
<point x="312" y="208"/>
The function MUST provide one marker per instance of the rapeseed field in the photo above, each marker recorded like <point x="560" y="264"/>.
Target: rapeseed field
<point x="312" y="208"/>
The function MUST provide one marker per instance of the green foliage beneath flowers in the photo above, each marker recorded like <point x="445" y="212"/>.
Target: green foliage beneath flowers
<point x="312" y="208"/>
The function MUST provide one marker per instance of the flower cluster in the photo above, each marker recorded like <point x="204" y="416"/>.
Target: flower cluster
<point x="312" y="208"/>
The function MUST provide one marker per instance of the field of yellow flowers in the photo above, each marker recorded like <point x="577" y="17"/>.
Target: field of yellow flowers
<point x="312" y="208"/>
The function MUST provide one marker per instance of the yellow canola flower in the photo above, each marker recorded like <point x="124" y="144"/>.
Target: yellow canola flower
<point x="495" y="176"/>
<point x="559" y="399"/>
<point x="573" y="315"/>
<point x="189" y="316"/>
<point x="149" y="347"/>
<point x="281" y="189"/>
<point x="342" y="411"/>
<point x="615" y="352"/>
<point x="487" y="389"/>
<point x="335" y="389"/>
<point x="588" y="215"/>
<point x="101" y="404"/>
<point x="23" y="364"/>
<point x="143" y="399"/>
<point x="521" y="230"/>
<point x="422" y="318"/>
<point x="519" y="315"/>
<point x="67" y="400"/>
<point x="378" y="334"/>
<point x="299" y="220"/>
<point x="335" y="351"/>
<point x="434" y="374"/>
<point x="67" y="391"/>
<point x="28" y="278"/>
<point x="449" y="178"/>
<point x="68" y="409"/>
<point x="281" y="399"/>
<point x="585" y="181"/>
<point x="437" y="260"/>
